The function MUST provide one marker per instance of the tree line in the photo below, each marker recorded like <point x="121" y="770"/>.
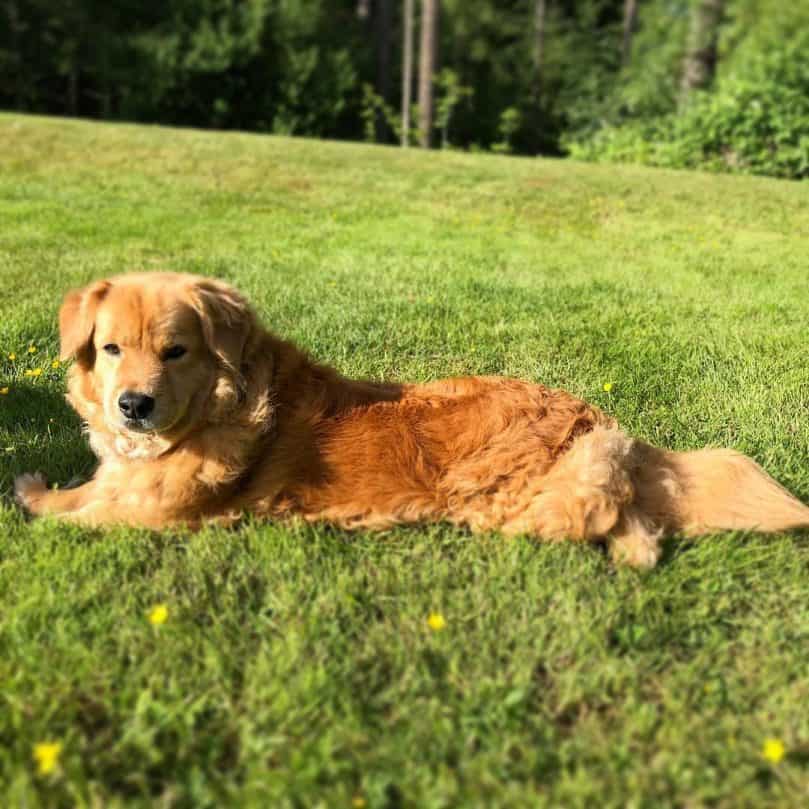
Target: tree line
<point x="601" y="79"/>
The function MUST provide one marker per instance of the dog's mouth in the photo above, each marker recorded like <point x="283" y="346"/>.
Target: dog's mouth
<point x="140" y="426"/>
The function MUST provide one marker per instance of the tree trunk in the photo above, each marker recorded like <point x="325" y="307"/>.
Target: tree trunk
<point x="73" y="88"/>
<point x="13" y="14"/>
<point x="630" y="21"/>
<point x="540" y="7"/>
<point x="105" y="82"/>
<point x="383" y="23"/>
<point x="407" y="70"/>
<point x="428" y="59"/>
<point x="699" y="65"/>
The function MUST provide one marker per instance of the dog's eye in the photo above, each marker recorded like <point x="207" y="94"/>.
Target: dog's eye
<point x="113" y="349"/>
<point x="173" y="353"/>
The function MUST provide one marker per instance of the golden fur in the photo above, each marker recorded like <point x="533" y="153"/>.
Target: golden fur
<point x="245" y="422"/>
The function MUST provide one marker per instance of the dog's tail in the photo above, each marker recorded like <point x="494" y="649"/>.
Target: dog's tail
<point x="713" y="489"/>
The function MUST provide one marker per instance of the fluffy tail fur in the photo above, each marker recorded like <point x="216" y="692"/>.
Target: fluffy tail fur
<point x="721" y="489"/>
<point x="695" y="493"/>
<point x="611" y="486"/>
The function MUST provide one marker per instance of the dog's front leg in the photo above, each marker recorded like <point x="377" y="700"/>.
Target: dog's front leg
<point x="33" y="494"/>
<point x="117" y="497"/>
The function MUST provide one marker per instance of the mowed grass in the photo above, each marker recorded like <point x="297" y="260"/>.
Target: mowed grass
<point x="296" y="667"/>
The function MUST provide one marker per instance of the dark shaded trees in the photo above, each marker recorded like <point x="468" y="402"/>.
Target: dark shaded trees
<point x="544" y="75"/>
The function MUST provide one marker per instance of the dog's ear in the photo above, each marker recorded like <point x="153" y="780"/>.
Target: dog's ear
<point x="77" y="320"/>
<point x="227" y="320"/>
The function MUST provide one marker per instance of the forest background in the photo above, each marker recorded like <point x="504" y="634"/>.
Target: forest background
<point x="713" y="84"/>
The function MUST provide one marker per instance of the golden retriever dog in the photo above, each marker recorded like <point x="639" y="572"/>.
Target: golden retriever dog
<point x="197" y="413"/>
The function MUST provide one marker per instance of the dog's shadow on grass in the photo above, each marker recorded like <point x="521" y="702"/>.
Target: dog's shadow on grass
<point x="39" y="432"/>
<point x="678" y="547"/>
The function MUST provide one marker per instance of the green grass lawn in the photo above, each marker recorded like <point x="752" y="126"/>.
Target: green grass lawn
<point x="296" y="667"/>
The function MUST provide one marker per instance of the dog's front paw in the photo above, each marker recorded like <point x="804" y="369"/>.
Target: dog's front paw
<point x="29" y="489"/>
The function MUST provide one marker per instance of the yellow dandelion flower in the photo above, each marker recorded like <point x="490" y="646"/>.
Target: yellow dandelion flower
<point x="12" y="356"/>
<point x="46" y="755"/>
<point x="55" y="364"/>
<point x="34" y="373"/>
<point x="436" y="621"/>
<point x="158" y="615"/>
<point x="3" y="391"/>
<point x="608" y="386"/>
<point x="773" y="750"/>
<point x="358" y="802"/>
<point x="32" y="349"/>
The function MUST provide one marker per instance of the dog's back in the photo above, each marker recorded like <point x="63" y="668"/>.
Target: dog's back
<point x="500" y="454"/>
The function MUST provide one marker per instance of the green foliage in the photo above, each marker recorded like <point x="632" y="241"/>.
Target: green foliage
<point x="375" y="112"/>
<point x="510" y="122"/>
<point x="197" y="60"/>
<point x="648" y="87"/>
<point x="755" y="121"/>
<point x="317" y="75"/>
<point x="296" y="667"/>
<point x="372" y="103"/>
<point x="302" y="67"/>
<point x="450" y="94"/>
<point x="260" y="65"/>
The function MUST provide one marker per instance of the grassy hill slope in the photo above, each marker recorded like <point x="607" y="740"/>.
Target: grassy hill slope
<point x="296" y="667"/>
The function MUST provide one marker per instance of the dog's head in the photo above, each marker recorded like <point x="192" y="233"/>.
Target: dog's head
<point x="156" y="354"/>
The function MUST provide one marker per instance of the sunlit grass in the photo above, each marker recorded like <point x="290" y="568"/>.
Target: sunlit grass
<point x="290" y="666"/>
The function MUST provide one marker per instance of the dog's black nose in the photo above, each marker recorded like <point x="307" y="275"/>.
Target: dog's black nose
<point x="135" y="406"/>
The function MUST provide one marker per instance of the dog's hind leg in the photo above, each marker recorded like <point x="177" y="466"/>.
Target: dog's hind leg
<point x="635" y="541"/>
<point x="588" y="496"/>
